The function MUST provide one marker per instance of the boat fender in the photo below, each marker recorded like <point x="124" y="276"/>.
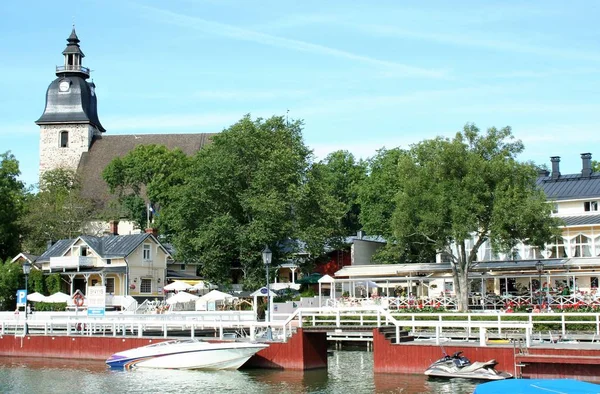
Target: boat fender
<point x="78" y="299"/>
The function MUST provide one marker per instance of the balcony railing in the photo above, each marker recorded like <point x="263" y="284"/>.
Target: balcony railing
<point x="71" y="262"/>
<point x="76" y="68"/>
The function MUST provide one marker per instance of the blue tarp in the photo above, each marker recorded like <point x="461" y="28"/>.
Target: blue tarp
<point x="537" y="386"/>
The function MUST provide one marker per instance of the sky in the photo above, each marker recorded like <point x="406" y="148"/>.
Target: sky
<point x="362" y="75"/>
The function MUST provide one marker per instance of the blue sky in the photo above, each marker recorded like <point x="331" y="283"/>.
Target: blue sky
<point x="362" y="74"/>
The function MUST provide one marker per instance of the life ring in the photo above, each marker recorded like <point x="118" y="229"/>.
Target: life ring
<point x="78" y="299"/>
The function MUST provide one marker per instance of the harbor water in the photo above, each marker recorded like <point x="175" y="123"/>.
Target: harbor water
<point x="349" y="372"/>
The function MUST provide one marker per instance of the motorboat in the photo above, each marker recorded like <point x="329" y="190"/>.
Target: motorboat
<point x="187" y="354"/>
<point x="537" y="386"/>
<point x="458" y="366"/>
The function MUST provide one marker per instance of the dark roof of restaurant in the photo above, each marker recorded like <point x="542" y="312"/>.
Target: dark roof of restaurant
<point x="571" y="186"/>
<point x="110" y="246"/>
<point x="105" y="148"/>
<point x="580" y="220"/>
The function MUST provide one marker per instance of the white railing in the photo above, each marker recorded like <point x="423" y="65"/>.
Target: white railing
<point x="114" y="323"/>
<point x="71" y="67"/>
<point x="71" y="262"/>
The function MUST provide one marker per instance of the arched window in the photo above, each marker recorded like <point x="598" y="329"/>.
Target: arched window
<point x="64" y="139"/>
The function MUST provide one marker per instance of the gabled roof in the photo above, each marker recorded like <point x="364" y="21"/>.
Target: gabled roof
<point x="570" y="187"/>
<point x="105" y="148"/>
<point x="112" y="246"/>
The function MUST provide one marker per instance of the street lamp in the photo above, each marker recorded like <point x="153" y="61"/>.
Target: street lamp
<point x="266" y="256"/>
<point x="26" y="271"/>
<point x="539" y="266"/>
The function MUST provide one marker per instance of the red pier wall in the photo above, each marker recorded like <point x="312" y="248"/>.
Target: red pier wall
<point x="548" y="362"/>
<point x="302" y="351"/>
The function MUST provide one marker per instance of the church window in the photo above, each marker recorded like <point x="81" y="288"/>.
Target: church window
<point x="64" y="139"/>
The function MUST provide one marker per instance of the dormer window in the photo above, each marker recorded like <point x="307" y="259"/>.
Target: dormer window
<point x="64" y="139"/>
<point x="590" y="206"/>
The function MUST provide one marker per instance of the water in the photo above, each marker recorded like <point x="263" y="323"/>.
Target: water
<point x="349" y="372"/>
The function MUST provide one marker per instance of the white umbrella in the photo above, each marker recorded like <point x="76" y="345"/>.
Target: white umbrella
<point x="216" y="295"/>
<point x="59" y="297"/>
<point x="177" y="286"/>
<point x="36" y="297"/>
<point x="182" y="296"/>
<point x="203" y="285"/>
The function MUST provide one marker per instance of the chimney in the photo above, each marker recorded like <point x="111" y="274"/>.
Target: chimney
<point x="555" y="167"/>
<point x="586" y="168"/>
<point x="360" y="234"/>
<point x="113" y="227"/>
<point x="49" y="244"/>
<point x="153" y="231"/>
<point x="543" y="172"/>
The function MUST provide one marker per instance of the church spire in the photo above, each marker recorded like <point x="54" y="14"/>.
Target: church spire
<point x="73" y="59"/>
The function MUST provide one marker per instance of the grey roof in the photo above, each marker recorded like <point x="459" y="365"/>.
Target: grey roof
<point x="77" y="105"/>
<point x="581" y="220"/>
<point x="105" y="148"/>
<point x="570" y="187"/>
<point x="73" y="44"/>
<point x="111" y="246"/>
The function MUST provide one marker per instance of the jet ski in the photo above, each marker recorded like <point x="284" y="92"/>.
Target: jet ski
<point x="458" y="366"/>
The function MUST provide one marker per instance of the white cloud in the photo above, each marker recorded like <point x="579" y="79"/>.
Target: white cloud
<point x="237" y="33"/>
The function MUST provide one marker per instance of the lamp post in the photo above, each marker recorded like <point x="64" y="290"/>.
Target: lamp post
<point x="266" y="256"/>
<point x="539" y="266"/>
<point x="26" y="271"/>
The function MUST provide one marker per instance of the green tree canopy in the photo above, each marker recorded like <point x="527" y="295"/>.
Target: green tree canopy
<point x="145" y="175"/>
<point x="250" y="187"/>
<point x="450" y="191"/>
<point x="12" y="195"/>
<point x="57" y="211"/>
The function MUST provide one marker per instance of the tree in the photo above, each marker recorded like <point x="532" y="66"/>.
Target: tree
<point x="12" y="194"/>
<point x="345" y="176"/>
<point x="595" y="166"/>
<point x="11" y="279"/>
<point x="57" y="211"/>
<point x="467" y="188"/>
<point x="145" y="175"/>
<point x="248" y="189"/>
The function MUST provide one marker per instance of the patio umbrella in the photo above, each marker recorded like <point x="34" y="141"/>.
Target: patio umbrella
<point x="216" y="295"/>
<point x="59" y="297"/>
<point x="203" y="285"/>
<point x="36" y="297"/>
<point x="182" y="297"/>
<point x="177" y="286"/>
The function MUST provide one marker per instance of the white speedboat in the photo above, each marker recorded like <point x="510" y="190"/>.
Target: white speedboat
<point x="187" y="354"/>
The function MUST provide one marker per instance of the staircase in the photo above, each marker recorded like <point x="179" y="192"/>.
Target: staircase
<point x="389" y="332"/>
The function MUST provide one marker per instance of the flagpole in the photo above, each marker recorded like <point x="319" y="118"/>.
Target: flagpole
<point x="148" y="215"/>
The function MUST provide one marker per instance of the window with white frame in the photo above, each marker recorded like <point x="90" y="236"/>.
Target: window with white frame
<point x="147" y="252"/>
<point x="590" y="206"/>
<point x="593" y="282"/>
<point x="581" y="246"/>
<point x="110" y="285"/>
<point x="557" y="249"/>
<point x="146" y="285"/>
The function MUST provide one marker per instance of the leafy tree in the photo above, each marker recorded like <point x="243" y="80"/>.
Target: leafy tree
<point x="467" y="188"/>
<point x="58" y="211"/>
<point x="11" y="279"/>
<point x="595" y="166"/>
<point x="377" y="195"/>
<point x="250" y="187"/>
<point x="345" y="175"/>
<point x="145" y="175"/>
<point x="12" y="194"/>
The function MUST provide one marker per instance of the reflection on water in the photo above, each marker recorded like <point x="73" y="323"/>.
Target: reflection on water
<point x="349" y="372"/>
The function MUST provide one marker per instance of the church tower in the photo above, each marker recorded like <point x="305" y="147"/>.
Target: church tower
<point x="70" y="122"/>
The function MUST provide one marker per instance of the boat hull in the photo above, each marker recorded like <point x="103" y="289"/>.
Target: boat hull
<point x="187" y="355"/>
